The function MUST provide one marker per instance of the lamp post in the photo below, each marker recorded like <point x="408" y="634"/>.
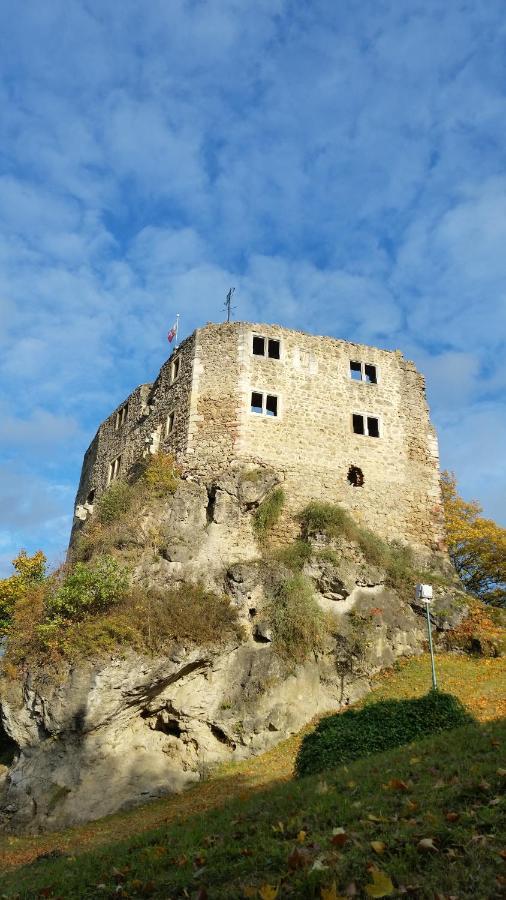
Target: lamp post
<point x="424" y="593"/>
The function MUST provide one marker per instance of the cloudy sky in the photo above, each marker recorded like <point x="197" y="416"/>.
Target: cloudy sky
<point x="342" y="164"/>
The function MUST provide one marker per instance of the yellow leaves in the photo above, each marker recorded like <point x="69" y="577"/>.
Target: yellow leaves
<point x="379" y="847"/>
<point x="381" y="884"/>
<point x="268" y="892"/>
<point x="301" y="837"/>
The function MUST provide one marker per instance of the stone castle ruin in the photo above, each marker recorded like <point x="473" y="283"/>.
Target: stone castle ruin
<point x="339" y="421"/>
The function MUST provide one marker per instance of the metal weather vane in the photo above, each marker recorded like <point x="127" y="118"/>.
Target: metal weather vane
<point x="228" y="304"/>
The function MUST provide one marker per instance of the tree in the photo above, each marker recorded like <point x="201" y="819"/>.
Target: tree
<point x="30" y="570"/>
<point x="477" y="546"/>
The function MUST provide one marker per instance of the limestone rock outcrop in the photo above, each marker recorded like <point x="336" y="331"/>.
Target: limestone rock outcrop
<point x="103" y="734"/>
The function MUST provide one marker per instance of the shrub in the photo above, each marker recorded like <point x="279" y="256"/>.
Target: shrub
<point x="30" y="571"/>
<point x="295" y="555"/>
<point x="268" y="513"/>
<point x="298" y="623"/>
<point x="114" y="502"/>
<point x="161" y="474"/>
<point x="327" y="519"/>
<point x="188" y="613"/>
<point x="89" y="589"/>
<point x="376" y="727"/>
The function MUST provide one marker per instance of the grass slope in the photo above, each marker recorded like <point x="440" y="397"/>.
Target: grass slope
<point x="253" y="844"/>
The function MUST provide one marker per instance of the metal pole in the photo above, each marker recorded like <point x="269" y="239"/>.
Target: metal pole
<point x="434" y="682"/>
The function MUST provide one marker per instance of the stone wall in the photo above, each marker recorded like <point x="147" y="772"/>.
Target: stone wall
<point x="311" y="441"/>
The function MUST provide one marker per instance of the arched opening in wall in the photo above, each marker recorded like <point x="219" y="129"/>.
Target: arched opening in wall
<point x="355" y="476"/>
<point x="91" y="496"/>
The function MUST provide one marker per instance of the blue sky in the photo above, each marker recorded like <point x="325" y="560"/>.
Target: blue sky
<point x="342" y="164"/>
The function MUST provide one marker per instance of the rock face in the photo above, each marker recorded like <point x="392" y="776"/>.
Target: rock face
<point x="108" y="733"/>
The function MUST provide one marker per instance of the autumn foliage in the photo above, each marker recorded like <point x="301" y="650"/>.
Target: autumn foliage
<point x="477" y="546"/>
<point x="30" y="572"/>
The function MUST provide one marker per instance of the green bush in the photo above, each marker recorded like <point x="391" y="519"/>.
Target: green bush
<point x="268" y="513"/>
<point x="298" y="623"/>
<point x="295" y="555"/>
<point x="327" y="519"/>
<point x="376" y="727"/>
<point x="114" y="502"/>
<point x="89" y="589"/>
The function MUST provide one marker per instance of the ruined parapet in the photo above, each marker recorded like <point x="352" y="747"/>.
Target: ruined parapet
<point x="341" y="422"/>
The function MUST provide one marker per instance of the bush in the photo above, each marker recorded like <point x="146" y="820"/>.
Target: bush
<point x="189" y="613"/>
<point x="327" y="519"/>
<point x="114" y="502"/>
<point x="89" y="589"/>
<point x="298" y="623"/>
<point x="295" y="555"/>
<point x="376" y="727"/>
<point x="268" y="513"/>
<point x="161" y="474"/>
<point x="30" y="571"/>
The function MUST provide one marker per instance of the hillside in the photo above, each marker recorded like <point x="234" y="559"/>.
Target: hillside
<point x="245" y="822"/>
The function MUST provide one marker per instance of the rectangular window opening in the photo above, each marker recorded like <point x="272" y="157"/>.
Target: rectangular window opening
<point x="370" y="374"/>
<point x="274" y="349"/>
<point x="271" y="405"/>
<point x="358" y="424"/>
<point x="258" y="345"/>
<point x="114" y="469"/>
<point x="170" y="424"/>
<point x="372" y="427"/>
<point x="257" y="403"/>
<point x="356" y="371"/>
<point x="175" y="370"/>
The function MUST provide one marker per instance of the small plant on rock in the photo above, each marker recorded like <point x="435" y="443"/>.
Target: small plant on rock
<point x="298" y="623"/>
<point x="161" y="474"/>
<point x="268" y="513"/>
<point x="89" y="589"/>
<point x="114" y="503"/>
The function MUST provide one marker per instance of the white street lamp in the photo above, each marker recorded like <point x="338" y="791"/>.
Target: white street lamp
<point x="424" y="593"/>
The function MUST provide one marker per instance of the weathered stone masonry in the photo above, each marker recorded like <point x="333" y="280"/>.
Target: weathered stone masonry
<point x="200" y="408"/>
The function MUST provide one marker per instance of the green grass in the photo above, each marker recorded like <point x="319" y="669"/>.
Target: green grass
<point x="442" y="788"/>
<point x="268" y="512"/>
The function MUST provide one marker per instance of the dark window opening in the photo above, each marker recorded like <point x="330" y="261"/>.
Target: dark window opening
<point x="271" y="405"/>
<point x="170" y="424"/>
<point x="370" y="374"/>
<point x="356" y="371"/>
<point x="355" y="476"/>
<point x="273" y="349"/>
<point x="256" y="403"/>
<point x="258" y="346"/>
<point x="358" y="424"/>
<point x="372" y="427"/>
<point x="91" y="496"/>
<point x="175" y="369"/>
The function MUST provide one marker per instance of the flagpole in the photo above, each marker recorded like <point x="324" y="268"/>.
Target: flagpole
<point x="177" y="331"/>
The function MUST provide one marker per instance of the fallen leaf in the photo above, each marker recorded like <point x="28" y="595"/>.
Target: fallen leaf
<point x="378" y="847"/>
<point x="319" y="864"/>
<point x="301" y="837"/>
<point x="376" y="818"/>
<point x="427" y="844"/>
<point x="381" y="884"/>
<point x="279" y="828"/>
<point x="501" y="772"/>
<point x="330" y="893"/>
<point x="452" y="816"/>
<point x="396" y="784"/>
<point x="339" y="837"/>
<point x="249" y="891"/>
<point x="299" y="858"/>
<point x="268" y="892"/>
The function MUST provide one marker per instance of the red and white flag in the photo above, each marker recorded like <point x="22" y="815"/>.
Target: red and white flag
<point x="172" y="333"/>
